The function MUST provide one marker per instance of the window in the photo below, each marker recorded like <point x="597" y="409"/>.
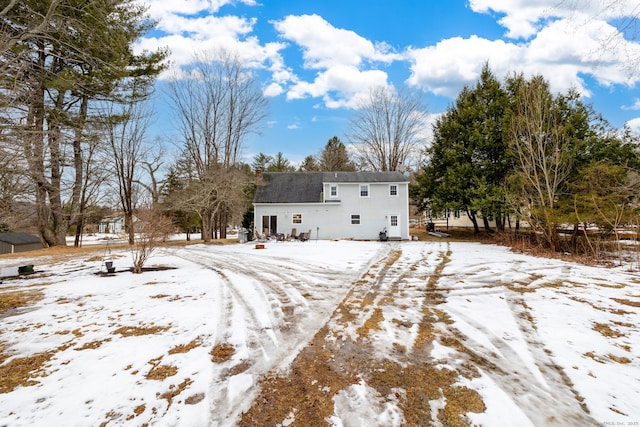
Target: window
<point x="333" y="191"/>
<point x="364" y="190"/>
<point x="394" y="220"/>
<point x="393" y="190"/>
<point x="297" y="218"/>
<point x="355" y="219"/>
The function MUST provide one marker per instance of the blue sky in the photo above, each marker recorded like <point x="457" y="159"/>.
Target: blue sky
<point x="317" y="58"/>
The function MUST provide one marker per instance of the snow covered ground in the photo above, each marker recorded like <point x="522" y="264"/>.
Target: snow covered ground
<point x="541" y="342"/>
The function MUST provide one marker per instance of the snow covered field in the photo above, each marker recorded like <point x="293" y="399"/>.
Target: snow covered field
<point x="359" y="333"/>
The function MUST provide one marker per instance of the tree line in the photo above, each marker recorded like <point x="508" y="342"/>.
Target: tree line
<point x="74" y="123"/>
<point x="69" y="80"/>
<point x="511" y="151"/>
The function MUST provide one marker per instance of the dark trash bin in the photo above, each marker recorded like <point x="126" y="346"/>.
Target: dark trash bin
<point x="110" y="267"/>
<point x="25" y="269"/>
<point x="431" y="226"/>
<point x="383" y="236"/>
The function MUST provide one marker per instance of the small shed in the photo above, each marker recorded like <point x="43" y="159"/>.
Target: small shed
<point x="12" y="242"/>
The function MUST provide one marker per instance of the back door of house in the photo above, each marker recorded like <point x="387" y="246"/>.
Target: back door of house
<point x="393" y="225"/>
<point x="270" y="224"/>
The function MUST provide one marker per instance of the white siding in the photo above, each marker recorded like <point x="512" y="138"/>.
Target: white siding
<point x="332" y="219"/>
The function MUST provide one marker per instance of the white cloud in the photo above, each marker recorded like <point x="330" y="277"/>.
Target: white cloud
<point x="562" y="52"/>
<point x="190" y="27"/>
<point x="634" y="106"/>
<point x="524" y="18"/>
<point x="563" y="42"/>
<point x="161" y="9"/>
<point x="325" y="46"/>
<point x="274" y="89"/>
<point x="345" y="60"/>
<point x="348" y="84"/>
<point x="634" y="125"/>
<point x="444" y="68"/>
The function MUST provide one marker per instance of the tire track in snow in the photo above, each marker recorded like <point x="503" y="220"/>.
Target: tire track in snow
<point x="547" y="386"/>
<point x="260" y="343"/>
<point x="298" y="297"/>
<point x="353" y="350"/>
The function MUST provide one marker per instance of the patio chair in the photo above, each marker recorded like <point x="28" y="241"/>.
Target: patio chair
<point x="294" y="234"/>
<point x="305" y="236"/>
<point x="260" y="237"/>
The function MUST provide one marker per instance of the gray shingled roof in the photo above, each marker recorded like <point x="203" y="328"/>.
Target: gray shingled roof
<point x="364" y="177"/>
<point x="18" y="238"/>
<point x="306" y="187"/>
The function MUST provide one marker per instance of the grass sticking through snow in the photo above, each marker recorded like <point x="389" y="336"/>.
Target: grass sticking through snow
<point x="18" y="299"/>
<point x="328" y="366"/>
<point x="185" y="348"/>
<point x="222" y="352"/>
<point x="129" y="331"/>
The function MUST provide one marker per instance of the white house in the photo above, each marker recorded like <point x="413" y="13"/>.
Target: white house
<point x="333" y="205"/>
<point x="113" y="224"/>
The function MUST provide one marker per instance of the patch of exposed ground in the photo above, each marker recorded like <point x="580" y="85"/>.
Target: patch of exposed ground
<point x="18" y="299"/>
<point x="23" y="371"/>
<point x="222" y="352"/>
<point x="185" y="348"/>
<point x="128" y="331"/>
<point x="160" y="372"/>
<point x="333" y="361"/>
<point x="627" y="302"/>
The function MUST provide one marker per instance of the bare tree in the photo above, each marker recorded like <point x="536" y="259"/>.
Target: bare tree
<point x="90" y="175"/>
<point x="217" y="104"/>
<point x="152" y="229"/>
<point x="542" y="151"/>
<point x="624" y="16"/>
<point x="222" y="189"/>
<point x="387" y="128"/>
<point x="56" y="59"/>
<point x="14" y="186"/>
<point x="125" y="133"/>
<point x="152" y="164"/>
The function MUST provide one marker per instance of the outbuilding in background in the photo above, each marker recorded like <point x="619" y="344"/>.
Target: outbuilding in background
<point x="12" y="242"/>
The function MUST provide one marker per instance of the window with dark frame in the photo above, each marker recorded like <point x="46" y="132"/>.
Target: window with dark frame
<point x="333" y="191"/>
<point x="364" y="190"/>
<point x="393" y="190"/>
<point x="296" y="218"/>
<point x="355" y="219"/>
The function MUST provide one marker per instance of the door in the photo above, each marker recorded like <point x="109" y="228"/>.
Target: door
<point x="270" y="224"/>
<point x="393" y="226"/>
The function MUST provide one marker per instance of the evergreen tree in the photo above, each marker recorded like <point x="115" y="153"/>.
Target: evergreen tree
<point x="79" y="53"/>
<point x="310" y="164"/>
<point x="261" y="162"/>
<point x="334" y="157"/>
<point x="280" y="164"/>
<point x="468" y="159"/>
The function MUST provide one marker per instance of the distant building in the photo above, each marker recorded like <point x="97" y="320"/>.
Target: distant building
<point x="113" y="224"/>
<point x="12" y="242"/>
